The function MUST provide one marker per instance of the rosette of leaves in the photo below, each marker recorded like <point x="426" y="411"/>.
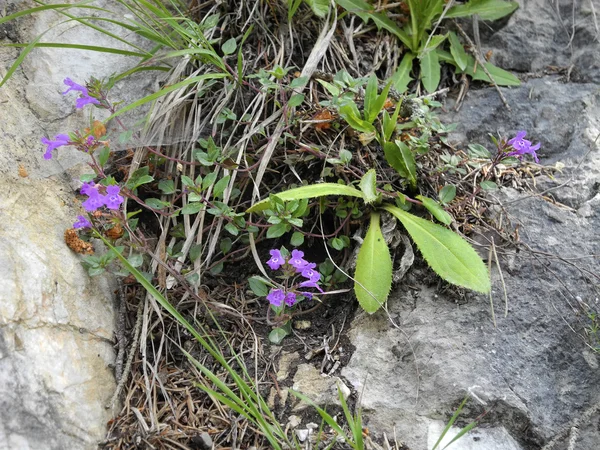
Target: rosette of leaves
<point x="447" y="253"/>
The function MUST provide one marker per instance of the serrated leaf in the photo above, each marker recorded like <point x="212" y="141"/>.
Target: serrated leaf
<point x="319" y="7"/>
<point x="448" y="254"/>
<point x="311" y="191"/>
<point x="368" y="186"/>
<point x="232" y="229"/>
<point x="447" y="194"/>
<point x="229" y="46"/>
<point x="431" y="71"/>
<point x="373" y="276"/>
<point x="434" y="208"/>
<point x="458" y="52"/>
<point x="485" y="9"/>
<point x="402" y="76"/>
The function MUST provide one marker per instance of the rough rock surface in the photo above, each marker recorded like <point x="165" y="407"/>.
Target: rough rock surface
<point x="56" y="324"/>
<point x="534" y="373"/>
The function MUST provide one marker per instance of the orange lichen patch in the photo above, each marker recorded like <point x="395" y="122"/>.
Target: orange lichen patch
<point x="115" y="232"/>
<point x="98" y="129"/>
<point x="22" y="171"/>
<point x="75" y="243"/>
<point x="388" y="103"/>
<point x="324" y="117"/>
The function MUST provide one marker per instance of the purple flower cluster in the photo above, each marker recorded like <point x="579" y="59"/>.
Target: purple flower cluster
<point x="84" y="98"/>
<point x="112" y="199"/>
<point x="522" y="146"/>
<point x="297" y="264"/>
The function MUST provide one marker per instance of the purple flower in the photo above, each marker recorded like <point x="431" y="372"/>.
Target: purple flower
<point x="308" y="295"/>
<point x="276" y="260"/>
<point x="85" y="98"/>
<point x="309" y="272"/>
<point x="522" y="146"/>
<point x="59" y="141"/>
<point x="95" y="201"/>
<point x="74" y="87"/>
<point x="290" y="299"/>
<point x="113" y="200"/>
<point x="82" y="222"/>
<point x="276" y="297"/>
<point x="87" y="188"/>
<point x="311" y="283"/>
<point x="297" y="261"/>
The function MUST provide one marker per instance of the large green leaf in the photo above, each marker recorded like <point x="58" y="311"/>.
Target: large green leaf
<point x="400" y="157"/>
<point x="313" y="190"/>
<point x="501" y="76"/>
<point x="431" y="70"/>
<point x="458" y="52"/>
<point x="486" y="9"/>
<point x="402" y="76"/>
<point x="349" y="111"/>
<point x="373" y="276"/>
<point x="448" y="254"/>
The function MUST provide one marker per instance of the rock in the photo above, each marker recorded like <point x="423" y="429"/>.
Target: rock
<point x="302" y="434"/>
<point x="203" y="441"/>
<point x="534" y="374"/>
<point x="56" y="323"/>
<point x="320" y="389"/>
<point x="477" y="439"/>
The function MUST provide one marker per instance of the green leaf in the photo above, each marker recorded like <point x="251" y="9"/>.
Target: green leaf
<point x="458" y="52"/>
<point x="192" y="208"/>
<point x="368" y="186"/>
<point x="447" y="194"/>
<point x="389" y="123"/>
<point x="319" y="7"/>
<point x="277" y="335"/>
<point x="502" y="77"/>
<point x="488" y="185"/>
<point x="103" y="156"/>
<point x="349" y="111"/>
<point x="166" y="186"/>
<point x="229" y="46"/>
<point x="187" y="181"/>
<point x="259" y="285"/>
<point x="402" y="76"/>
<point x="310" y="191"/>
<point x="448" y="254"/>
<point x="486" y="9"/>
<point x="278" y="230"/>
<point x="156" y="203"/>
<point x="297" y="239"/>
<point x="295" y="100"/>
<point x="232" y="229"/>
<point x="401" y="158"/>
<point x="87" y="177"/>
<point x="220" y="186"/>
<point x="373" y="276"/>
<point x="434" y="208"/>
<point x="479" y="151"/>
<point x="430" y="71"/>
<point x="195" y="252"/>
<point x="136" y="260"/>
